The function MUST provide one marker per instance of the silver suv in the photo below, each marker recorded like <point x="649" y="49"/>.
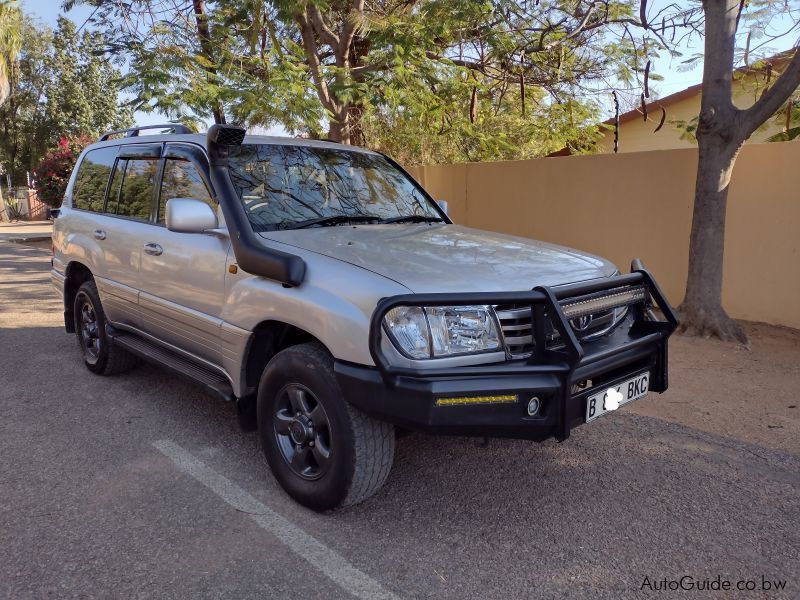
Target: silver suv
<point x="320" y="288"/>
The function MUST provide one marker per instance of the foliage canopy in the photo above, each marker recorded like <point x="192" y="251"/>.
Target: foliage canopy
<point x="457" y="79"/>
<point x="61" y="86"/>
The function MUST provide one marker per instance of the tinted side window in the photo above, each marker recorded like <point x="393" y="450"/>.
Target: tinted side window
<point x="181" y="180"/>
<point x="136" y="192"/>
<point x="90" y="184"/>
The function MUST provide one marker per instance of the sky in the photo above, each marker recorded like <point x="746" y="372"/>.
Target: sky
<point x="675" y="79"/>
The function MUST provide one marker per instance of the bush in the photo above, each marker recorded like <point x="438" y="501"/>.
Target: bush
<point x="52" y="175"/>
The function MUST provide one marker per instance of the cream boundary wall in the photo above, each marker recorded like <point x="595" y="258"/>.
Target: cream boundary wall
<point x="640" y="205"/>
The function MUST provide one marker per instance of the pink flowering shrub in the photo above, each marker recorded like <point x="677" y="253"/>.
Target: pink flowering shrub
<point x="52" y="174"/>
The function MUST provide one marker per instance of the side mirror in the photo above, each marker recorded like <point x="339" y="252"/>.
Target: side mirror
<point x="190" y="215"/>
<point x="443" y="205"/>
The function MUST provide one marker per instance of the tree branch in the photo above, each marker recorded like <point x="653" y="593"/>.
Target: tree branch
<point x="459" y="62"/>
<point x="310" y="45"/>
<point x="581" y="26"/>
<point x="325" y="33"/>
<point x="349" y="28"/>
<point x="749" y="120"/>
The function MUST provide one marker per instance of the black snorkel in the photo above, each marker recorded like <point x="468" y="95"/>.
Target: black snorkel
<point x="251" y="255"/>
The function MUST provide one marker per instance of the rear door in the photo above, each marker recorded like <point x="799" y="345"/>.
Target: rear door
<point x="126" y="223"/>
<point x="183" y="274"/>
<point x="83" y="221"/>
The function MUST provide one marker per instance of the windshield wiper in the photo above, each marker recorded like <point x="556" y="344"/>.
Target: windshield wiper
<point x="414" y="219"/>
<point x="335" y="220"/>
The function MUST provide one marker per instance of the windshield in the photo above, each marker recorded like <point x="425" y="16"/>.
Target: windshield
<point x="285" y="186"/>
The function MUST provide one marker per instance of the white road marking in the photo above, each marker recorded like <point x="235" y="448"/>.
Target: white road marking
<point x="331" y="564"/>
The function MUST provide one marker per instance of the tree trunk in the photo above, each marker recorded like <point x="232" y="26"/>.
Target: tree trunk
<point x="721" y="131"/>
<point x="219" y="113"/>
<point x="719" y="138"/>
<point x="702" y="312"/>
<point x="355" y="113"/>
<point x="339" y="128"/>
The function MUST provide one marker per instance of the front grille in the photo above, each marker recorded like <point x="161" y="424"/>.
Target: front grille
<point x="516" y="324"/>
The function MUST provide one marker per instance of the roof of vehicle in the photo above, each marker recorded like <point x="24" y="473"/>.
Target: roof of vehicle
<point x="200" y="140"/>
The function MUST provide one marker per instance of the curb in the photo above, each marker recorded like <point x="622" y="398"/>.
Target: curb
<point x="29" y="239"/>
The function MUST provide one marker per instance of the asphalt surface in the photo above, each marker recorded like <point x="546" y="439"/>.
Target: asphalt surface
<point x="142" y="486"/>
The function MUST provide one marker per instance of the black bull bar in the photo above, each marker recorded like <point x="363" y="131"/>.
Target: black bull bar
<point x="571" y="362"/>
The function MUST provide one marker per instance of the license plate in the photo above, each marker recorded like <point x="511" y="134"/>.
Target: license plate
<point x="610" y="399"/>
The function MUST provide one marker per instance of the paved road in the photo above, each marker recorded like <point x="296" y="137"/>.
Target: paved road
<point x="142" y="486"/>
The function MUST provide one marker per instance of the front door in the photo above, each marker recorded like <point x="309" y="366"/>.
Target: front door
<point x="182" y="277"/>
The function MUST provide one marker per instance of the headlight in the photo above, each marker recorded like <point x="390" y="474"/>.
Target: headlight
<point x="437" y="331"/>
<point x="408" y="327"/>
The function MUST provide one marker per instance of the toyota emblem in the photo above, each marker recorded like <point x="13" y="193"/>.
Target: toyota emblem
<point x="581" y="323"/>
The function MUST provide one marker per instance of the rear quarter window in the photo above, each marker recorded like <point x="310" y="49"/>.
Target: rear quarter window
<point x="89" y="191"/>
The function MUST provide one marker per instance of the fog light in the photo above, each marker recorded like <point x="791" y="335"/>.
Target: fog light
<point x="464" y="400"/>
<point x="533" y="406"/>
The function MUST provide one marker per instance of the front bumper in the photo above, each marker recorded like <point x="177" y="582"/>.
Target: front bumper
<point x="492" y="400"/>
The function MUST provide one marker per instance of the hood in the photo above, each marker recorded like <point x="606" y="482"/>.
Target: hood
<point x="434" y="258"/>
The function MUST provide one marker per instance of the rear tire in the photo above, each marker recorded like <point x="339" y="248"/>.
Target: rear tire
<point x="323" y="451"/>
<point x="99" y="355"/>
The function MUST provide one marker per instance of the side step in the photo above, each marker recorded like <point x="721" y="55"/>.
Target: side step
<point x="215" y="383"/>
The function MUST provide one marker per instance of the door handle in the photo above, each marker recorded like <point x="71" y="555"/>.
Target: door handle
<point x="153" y="249"/>
<point x="99" y="234"/>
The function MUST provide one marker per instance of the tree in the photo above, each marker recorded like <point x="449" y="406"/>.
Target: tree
<point x="353" y="48"/>
<point x="83" y="92"/>
<point x="24" y="129"/>
<point x="721" y="131"/>
<point x="10" y="43"/>
<point x="173" y="50"/>
<point x="60" y="86"/>
<point x="299" y="62"/>
<point x="416" y="125"/>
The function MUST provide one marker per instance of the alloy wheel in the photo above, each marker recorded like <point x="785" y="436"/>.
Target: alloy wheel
<point x="89" y="329"/>
<point x="302" y="431"/>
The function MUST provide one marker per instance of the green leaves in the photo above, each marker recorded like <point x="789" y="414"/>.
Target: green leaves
<point x="82" y="95"/>
<point x="10" y="43"/>
<point x="418" y="125"/>
<point x="63" y="87"/>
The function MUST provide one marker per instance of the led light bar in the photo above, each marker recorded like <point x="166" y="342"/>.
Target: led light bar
<point x="606" y="301"/>
<point x="464" y="400"/>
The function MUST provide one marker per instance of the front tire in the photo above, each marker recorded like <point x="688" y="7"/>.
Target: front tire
<point x="323" y="451"/>
<point x="99" y="355"/>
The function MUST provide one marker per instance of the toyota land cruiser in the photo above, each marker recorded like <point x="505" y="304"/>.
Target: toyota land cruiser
<point x="320" y="288"/>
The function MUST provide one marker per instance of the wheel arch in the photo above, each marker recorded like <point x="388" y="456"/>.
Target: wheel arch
<point x="270" y="337"/>
<point x="75" y="275"/>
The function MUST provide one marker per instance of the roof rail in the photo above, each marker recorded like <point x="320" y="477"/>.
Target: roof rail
<point x="177" y="128"/>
